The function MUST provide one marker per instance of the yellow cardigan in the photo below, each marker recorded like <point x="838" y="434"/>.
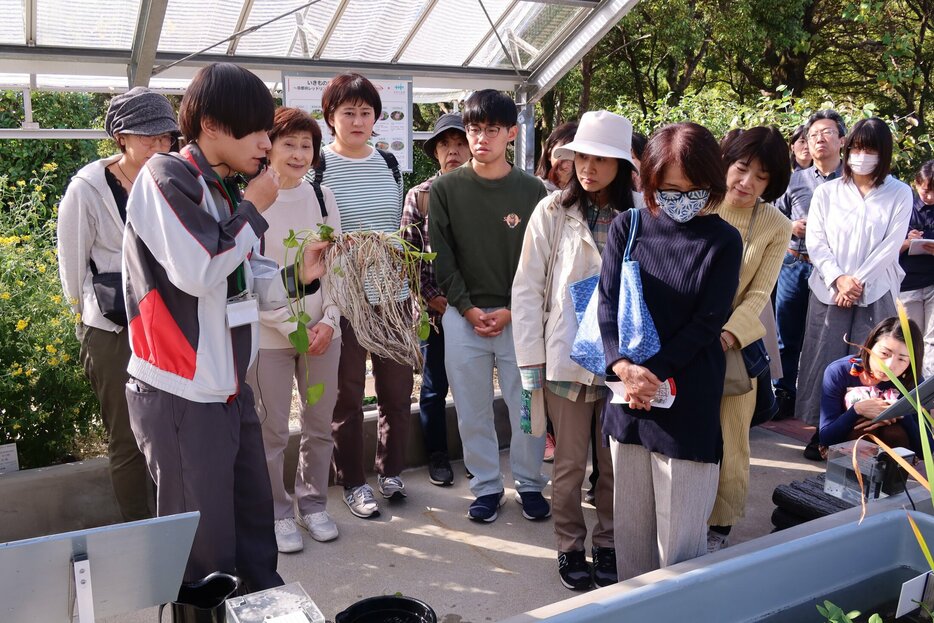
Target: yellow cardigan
<point x="762" y="260"/>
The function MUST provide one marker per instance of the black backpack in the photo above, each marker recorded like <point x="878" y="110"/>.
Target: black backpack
<point x="391" y="162"/>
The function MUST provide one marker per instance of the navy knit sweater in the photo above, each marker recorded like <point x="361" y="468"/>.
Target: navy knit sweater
<point x="690" y="272"/>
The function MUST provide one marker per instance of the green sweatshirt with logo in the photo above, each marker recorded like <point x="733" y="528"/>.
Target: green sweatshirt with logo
<point x="476" y="227"/>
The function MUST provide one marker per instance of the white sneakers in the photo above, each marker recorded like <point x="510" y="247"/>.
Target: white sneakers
<point x="319" y="525"/>
<point x="288" y="540"/>
<point x="716" y="541"/>
<point x="391" y="487"/>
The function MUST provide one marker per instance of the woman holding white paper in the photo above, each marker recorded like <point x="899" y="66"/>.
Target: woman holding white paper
<point x="562" y="246"/>
<point x="918" y="285"/>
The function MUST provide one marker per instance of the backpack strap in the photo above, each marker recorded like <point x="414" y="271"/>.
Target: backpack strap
<point x="633" y="231"/>
<point x="421" y="202"/>
<point x="316" y="186"/>
<point x="392" y="163"/>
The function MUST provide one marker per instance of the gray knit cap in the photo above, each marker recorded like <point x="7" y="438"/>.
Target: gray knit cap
<point x="140" y="111"/>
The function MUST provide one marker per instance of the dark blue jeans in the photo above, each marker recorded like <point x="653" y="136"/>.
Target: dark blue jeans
<point x="791" y="311"/>
<point x="434" y="393"/>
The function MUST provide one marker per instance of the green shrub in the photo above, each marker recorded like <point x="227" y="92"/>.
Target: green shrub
<point x="721" y="114"/>
<point x="46" y="404"/>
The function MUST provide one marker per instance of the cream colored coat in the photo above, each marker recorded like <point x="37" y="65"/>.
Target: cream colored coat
<point x="546" y="338"/>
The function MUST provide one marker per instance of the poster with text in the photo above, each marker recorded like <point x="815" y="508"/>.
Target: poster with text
<point x="393" y="129"/>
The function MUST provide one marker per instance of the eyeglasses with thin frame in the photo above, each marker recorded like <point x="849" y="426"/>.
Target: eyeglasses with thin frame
<point x="161" y="139"/>
<point x="490" y="131"/>
<point x="826" y="133"/>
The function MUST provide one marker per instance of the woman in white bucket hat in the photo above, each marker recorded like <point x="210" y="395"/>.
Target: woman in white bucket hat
<point x="563" y="245"/>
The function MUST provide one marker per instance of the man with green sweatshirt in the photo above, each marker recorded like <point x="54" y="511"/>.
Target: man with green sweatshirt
<point x="478" y="218"/>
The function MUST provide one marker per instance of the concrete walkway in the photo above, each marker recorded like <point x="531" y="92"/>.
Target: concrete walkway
<point x="426" y="547"/>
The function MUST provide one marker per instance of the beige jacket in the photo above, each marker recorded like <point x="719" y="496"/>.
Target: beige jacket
<point x="546" y="338"/>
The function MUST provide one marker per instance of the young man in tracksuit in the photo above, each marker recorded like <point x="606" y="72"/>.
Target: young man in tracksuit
<point x="194" y="287"/>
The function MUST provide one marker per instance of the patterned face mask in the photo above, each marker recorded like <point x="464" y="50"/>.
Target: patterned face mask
<point x="682" y="206"/>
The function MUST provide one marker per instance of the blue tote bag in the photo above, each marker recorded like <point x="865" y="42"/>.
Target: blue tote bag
<point x="587" y="349"/>
<point x="638" y="339"/>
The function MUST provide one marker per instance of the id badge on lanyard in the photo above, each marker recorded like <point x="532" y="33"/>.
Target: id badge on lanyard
<point x="242" y="309"/>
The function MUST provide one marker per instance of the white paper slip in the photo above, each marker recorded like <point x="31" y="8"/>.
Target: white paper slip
<point x="664" y="397"/>
<point x="912" y="593"/>
<point x="920" y="247"/>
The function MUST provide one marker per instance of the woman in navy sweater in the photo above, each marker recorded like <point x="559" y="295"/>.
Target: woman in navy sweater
<point x="856" y="390"/>
<point x="665" y="459"/>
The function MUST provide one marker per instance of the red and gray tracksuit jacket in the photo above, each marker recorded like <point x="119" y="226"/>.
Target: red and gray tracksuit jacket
<point x="183" y="239"/>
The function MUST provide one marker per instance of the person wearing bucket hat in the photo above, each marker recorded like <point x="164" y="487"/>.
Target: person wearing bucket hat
<point x="576" y="221"/>
<point x="90" y="238"/>
<point x="448" y="147"/>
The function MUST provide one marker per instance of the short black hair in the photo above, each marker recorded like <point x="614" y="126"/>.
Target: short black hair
<point x="619" y="190"/>
<point x="765" y="144"/>
<point x="491" y="107"/>
<point x="349" y="88"/>
<point x="925" y="174"/>
<point x="832" y="115"/>
<point x="875" y="135"/>
<point x="236" y="99"/>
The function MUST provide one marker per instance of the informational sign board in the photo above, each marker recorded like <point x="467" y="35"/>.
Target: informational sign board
<point x="393" y="129"/>
<point x="9" y="461"/>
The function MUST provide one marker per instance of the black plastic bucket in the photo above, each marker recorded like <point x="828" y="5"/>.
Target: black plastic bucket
<point x="388" y="609"/>
<point x="203" y="601"/>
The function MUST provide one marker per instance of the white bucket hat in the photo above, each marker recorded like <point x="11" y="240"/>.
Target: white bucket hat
<point x="600" y="133"/>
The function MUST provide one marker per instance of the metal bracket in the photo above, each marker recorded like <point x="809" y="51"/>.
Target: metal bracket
<point x="83" y="593"/>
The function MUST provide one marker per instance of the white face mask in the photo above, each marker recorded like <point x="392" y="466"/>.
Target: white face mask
<point x="862" y="163"/>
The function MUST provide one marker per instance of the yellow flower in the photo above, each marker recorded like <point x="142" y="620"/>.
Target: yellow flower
<point x="49" y="167"/>
<point x="78" y="318"/>
<point x="5" y="296"/>
<point x="20" y="283"/>
<point x="53" y="361"/>
<point x="21" y="324"/>
<point x="28" y="372"/>
<point x="20" y="183"/>
<point x="66" y="357"/>
<point x="16" y="371"/>
<point x="50" y="349"/>
<point x="56" y="299"/>
<point x="38" y="188"/>
<point x="16" y="426"/>
<point x="41" y="268"/>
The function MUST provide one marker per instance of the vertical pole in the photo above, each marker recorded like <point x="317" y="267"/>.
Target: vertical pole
<point x="28" y="123"/>
<point x="525" y="140"/>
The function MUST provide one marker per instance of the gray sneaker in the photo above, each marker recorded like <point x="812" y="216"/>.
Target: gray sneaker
<point x="716" y="541"/>
<point x="391" y="487"/>
<point x="361" y="502"/>
<point x="288" y="539"/>
<point x="319" y="525"/>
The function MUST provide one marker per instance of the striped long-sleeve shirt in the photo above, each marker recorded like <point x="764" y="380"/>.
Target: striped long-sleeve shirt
<point x="368" y="196"/>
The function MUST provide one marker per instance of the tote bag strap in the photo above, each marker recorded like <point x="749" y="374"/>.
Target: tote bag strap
<point x="752" y="221"/>
<point x="633" y="232"/>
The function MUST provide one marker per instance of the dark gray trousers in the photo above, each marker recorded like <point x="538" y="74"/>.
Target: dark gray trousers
<point x="209" y="457"/>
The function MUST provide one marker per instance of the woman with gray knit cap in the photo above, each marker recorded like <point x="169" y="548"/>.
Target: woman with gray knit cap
<point x="90" y="238"/>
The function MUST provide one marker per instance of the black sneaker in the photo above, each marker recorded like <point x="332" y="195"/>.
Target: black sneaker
<point x="485" y="507"/>
<point x="786" y="405"/>
<point x="439" y="470"/>
<point x="574" y="570"/>
<point x="590" y="497"/>
<point x="812" y="450"/>
<point x="534" y="505"/>
<point x="604" y="566"/>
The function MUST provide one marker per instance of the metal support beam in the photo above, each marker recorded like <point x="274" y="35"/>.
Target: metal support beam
<point x="241" y="25"/>
<point x="490" y="33"/>
<point x="335" y="20"/>
<point x="145" y="42"/>
<point x="29" y="22"/>
<point x="590" y="4"/>
<point x="570" y="52"/>
<point x="426" y="11"/>
<point x="28" y="123"/>
<point x="525" y="139"/>
<point x="45" y="134"/>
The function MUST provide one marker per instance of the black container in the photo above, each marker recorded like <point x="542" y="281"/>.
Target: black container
<point x="203" y="601"/>
<point x="388" y="609"/>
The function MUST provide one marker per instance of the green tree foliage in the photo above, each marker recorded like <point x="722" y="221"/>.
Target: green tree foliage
<point x="22" y="159"/>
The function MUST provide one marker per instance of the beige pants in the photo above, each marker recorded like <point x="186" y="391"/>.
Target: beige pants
<point x="735" y="416"/>
<point x="571" y="420"/>
<point x="271" y="379"/>
<point x="660" y="508"/>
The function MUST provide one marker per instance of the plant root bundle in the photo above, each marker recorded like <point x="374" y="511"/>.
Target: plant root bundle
<point x="373" y="279"/>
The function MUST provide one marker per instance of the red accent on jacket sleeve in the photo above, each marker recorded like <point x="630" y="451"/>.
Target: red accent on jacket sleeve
<point x="159" y="340"/>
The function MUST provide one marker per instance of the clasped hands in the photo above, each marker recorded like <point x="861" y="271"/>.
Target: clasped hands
<point x="849" y="289"/>
<point x="488" y="324"/>
<point x="641" y="384"/>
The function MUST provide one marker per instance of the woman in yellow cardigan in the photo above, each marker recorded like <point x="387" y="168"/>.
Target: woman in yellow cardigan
<point x="757" y="173"/>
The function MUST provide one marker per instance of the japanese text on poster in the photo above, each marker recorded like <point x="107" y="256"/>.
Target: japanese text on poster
<point x="393" y="129"/>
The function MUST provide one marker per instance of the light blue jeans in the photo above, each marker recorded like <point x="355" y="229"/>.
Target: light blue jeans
<point x="469" y="359"/>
